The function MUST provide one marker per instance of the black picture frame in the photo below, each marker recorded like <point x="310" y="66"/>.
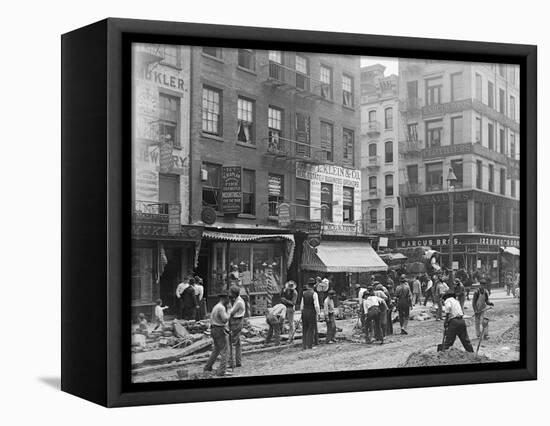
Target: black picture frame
<point x="96" y="204"/>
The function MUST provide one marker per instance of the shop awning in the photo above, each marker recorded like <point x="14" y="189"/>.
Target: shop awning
<point x="232" y="236"/>
<point x="342" y="256"/>
<point x="393" y="257"/>
<point x="514" y="251"/>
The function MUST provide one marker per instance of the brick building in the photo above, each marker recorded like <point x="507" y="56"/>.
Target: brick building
<point x="379" y="154"/>
<point x="463" y="116"/>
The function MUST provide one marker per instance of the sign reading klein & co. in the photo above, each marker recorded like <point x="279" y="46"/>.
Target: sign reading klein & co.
<point x="232" y="189"/>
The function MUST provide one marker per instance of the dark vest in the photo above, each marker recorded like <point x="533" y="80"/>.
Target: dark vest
<point x="307" y="296"/>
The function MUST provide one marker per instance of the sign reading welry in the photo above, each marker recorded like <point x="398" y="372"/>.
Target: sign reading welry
<point x="232" y="189"/>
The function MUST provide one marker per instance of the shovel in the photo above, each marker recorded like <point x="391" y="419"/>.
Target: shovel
<point x="484" y="324"/>
<point x="440" y="347"/>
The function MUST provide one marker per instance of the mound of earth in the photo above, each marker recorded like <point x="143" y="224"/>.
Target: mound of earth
<point x="448" y="357"/>
<point x="510" y="335"/>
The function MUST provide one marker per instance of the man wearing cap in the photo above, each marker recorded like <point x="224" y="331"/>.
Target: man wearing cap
<point x="288" y="298"/>
<point x="218" y="330"/>
<point x="454" y="323"/>
<point x="309" y="307"/>
<point x="236" y="318"/>
<point x="179" y="291"/>
<point x="190" y="303"/>
<point x="416" y="291"/>
<point x="403" y="298"/>
<point x="480" y="301"/>
<point x="275" y="319"/>
<point x="373" y="306"/>
<point x="199" y="291"/>
<point x="328" y="305"/>
<point x="460" y="292"/>
<point x="439" y="290"/>
<point x="362" y="291"/>
<point x="428" y="293"/>
<point x="382" y="292"/>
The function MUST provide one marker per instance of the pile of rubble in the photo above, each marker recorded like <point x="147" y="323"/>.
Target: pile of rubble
<point x="348" y="309"/>
<point x="510" y="336"/>
<point x="449" y="357"/>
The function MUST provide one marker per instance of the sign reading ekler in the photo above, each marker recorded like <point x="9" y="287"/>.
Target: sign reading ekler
<point x="327" y="173"/>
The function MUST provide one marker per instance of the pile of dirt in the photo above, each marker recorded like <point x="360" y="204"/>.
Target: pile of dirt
<point x="449" y="357"/>
<point x="511" y="335"/>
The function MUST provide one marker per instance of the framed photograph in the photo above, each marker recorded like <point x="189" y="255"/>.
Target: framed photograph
<point x="252" y="212"/>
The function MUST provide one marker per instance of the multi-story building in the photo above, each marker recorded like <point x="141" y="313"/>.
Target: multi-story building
<point x="464" y="117"/>
<point x="240" y="156"/>
<point x="379" y="154"/>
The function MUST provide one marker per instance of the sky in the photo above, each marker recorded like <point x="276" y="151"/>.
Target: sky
<point x="389" y="63"/>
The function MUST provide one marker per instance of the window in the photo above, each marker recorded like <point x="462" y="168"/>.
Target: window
<point x="502" y="140"/>
<point x="513" y="145"/>
<point x="211" y="111"/>
<point x="460" y="219"/>
<point x="478" y="130"/>
<point x="373" y="217"/>
<point x="276" y="70"/>
<point x="349" y="146"/>
<point x="479" y="174"/>
<point x="275" y="56"/>
<point x="303" y="135"/>
<point x="142" y="274"/>
<point x="246" y="59"/>
<point x="249" y="191"/>
<point x="426" y="219"/>
<point x="412" y="174"/>
<point x="490" y="94"/>
<point x="347" y="91"/>
<point x="245" y="121"/>
<point x="372" y="116"/>
<point x="502" y="101"/>
<point x="457" y="166"/>
<point x="433" y="91"/>
<point x="479" y="88"/>
<point x="169" y="191"/>
<point x="412" y="94"/>
<point x="372" y="150"/>
<point x="388" y="152"/>
<point x="456" y="86"/>
<point x="212" y="51"/>
<point x="478" y="216"/>
<point x="434" y="177"/>
<point x="274" y="124"/>
<point x="389" y="185"/>
<point x="456" y="130"/>
<point x="171" y="55"/>
<point x="441" y="218"/>
<point x="502" y="70"/>
<point x="326" y="201"/>
<point x="512" y="107"/>
<point x="348" y="204"/>
<point x="302" y="73"/>
<point x="327" y="140"/>
<point x="388" y="118"/>
<point x="513" y="187"/>
<point x="502" y="181"/>
<point x="434" y="130"/>
<point x="491" y="178"/>
<point x="302" y="199"/>
<point x="491" y="136"/>
<point x="372" y="182"/>
<point x="326" y="82"/>
<point x="412" y="132"/>
<point x="211" y="196"/>
<point x="275" y="193"/>
<point x="169" y="113"/>
<point x="389" y="218"/>
<point x="487" y="217"/>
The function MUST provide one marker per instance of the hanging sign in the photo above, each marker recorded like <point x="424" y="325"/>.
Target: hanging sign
<point x="174" y="218"/>
<point x="166" y="160"/>
<point x="284" y="215"/>
<point x="232" y="189"/>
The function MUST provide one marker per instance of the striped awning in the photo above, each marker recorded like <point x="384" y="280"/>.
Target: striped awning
<point x="236" y="237"/>
<point x="389" y="257"/>
<point x="514" y="251"/>
<point x="342" y="256"/>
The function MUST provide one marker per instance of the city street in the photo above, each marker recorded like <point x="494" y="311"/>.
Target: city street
<point x="349" y="355"/>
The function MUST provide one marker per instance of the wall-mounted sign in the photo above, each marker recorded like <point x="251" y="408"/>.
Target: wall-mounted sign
<point x="383" y="242"/>
<point x="330" y="228"/>
<point x="166" y="162"/>
<point x="147" y="185"/>
<point x="232" y="189"/>
<point x="284" y="215"/>
<point x="307" y="226"/>
<point x="458" y="241"/>
<point x="174" y="218"/>
<point x="327" y="173"/>
<point x="208" y="215"/>
<point x="455" y="265"/>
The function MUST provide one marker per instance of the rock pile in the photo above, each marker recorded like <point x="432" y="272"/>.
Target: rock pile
<point x="449" y="357"/>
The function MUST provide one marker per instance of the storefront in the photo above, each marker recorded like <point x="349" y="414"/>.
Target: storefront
<point x="161" y="258"/>
<point x="258" y="263"/>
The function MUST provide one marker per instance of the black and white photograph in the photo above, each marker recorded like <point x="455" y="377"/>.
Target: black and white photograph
<point x="302" y="212"/>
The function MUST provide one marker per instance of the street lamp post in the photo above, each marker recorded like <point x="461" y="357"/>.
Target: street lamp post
<point x="451" y="180"/>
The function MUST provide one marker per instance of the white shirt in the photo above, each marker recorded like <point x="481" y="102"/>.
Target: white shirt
<point x="278" y="310"/>
<point x="181" y="287"/>
<point x="371" y="301"/>
<point x="199" y="291"/>
<point x="159" y="313"/>
<point x="452" y="307"/>
<point x="315" y="303"/>
<point x="430" y="284"/>
<point x="361" y="291"/>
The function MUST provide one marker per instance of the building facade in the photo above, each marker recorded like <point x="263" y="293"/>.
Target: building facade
<point x="379" y="151"/>
<point x="464" y="117"/>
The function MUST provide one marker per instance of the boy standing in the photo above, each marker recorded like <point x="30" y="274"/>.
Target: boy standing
<point x="159" y="314"/>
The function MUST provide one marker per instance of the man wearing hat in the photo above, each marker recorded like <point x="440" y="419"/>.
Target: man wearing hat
<point x="190" y="301"/>
<point x="480" y="301"/>
<point x="275" y="319"/>
<point x="372" y="307"/>
<point x="403" y="298"/>
<point x="328" y="305"/>
<point x="236" y="318"/>
<point x="218" y="330"/>
<point x="309" y="307"/>
<point x="382" y="293"/>
<point x="289" y="296"/>
<point x="440" y="289"/>
<point x="460" y="292"/>
<point x="454" y="323"/>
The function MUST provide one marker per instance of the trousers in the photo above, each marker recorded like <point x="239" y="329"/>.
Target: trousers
<point x="403" y="310"/>
<point x="235" y="328"/>
<point x="290" y="319"/>
<point x="274" y="329"/>
<point x="373" y="324"/>
<point x="309" y="320"/>
<point x="331" y="328"/>
<point x="457" y="327"/>
<point x="220" y="340"/>
<point x="478" y="318"/>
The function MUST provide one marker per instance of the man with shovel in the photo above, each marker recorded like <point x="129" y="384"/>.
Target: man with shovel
<point x="455" y="324"/>
<point x="480" y="301"/>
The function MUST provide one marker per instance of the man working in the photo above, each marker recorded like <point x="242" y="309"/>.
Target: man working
<point x="454" y="323"/>
<point x="288" y="298"/>
<point x="416" y="291"/>
<point x="218" y="330"/>
<point x="190" y="303"/>
<point x="428" y="294"/>
<point x="310" y="312"/>
<point x="362" y="291"/>
<point x="199" y="292"/>
<point x="328" y="305"/>
<point x="179" y="291"/>
<point x="480" y="301"/>
<point x="460" y="292"/>
<point x="439" y="290"/>
<point x="382" y="292"/>
<point x="372" y="306"/>
<point x="275" y="319"/>
<point x="403" y="299"/>
<point x="236" y="318"/>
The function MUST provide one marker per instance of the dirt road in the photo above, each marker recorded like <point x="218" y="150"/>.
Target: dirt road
<point x="348" y="355"/>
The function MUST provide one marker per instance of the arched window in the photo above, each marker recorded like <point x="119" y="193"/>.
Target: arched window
<point x="389" y="185"/>
<point x="372" y="182"/>
<point x="388" y="152"/>
<point x="373" y="217"/>
<point x="389" y="218"/>
<point x="372" y="150"/>
<point x="372" y="116"/>
<point x="388" y="118"/>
